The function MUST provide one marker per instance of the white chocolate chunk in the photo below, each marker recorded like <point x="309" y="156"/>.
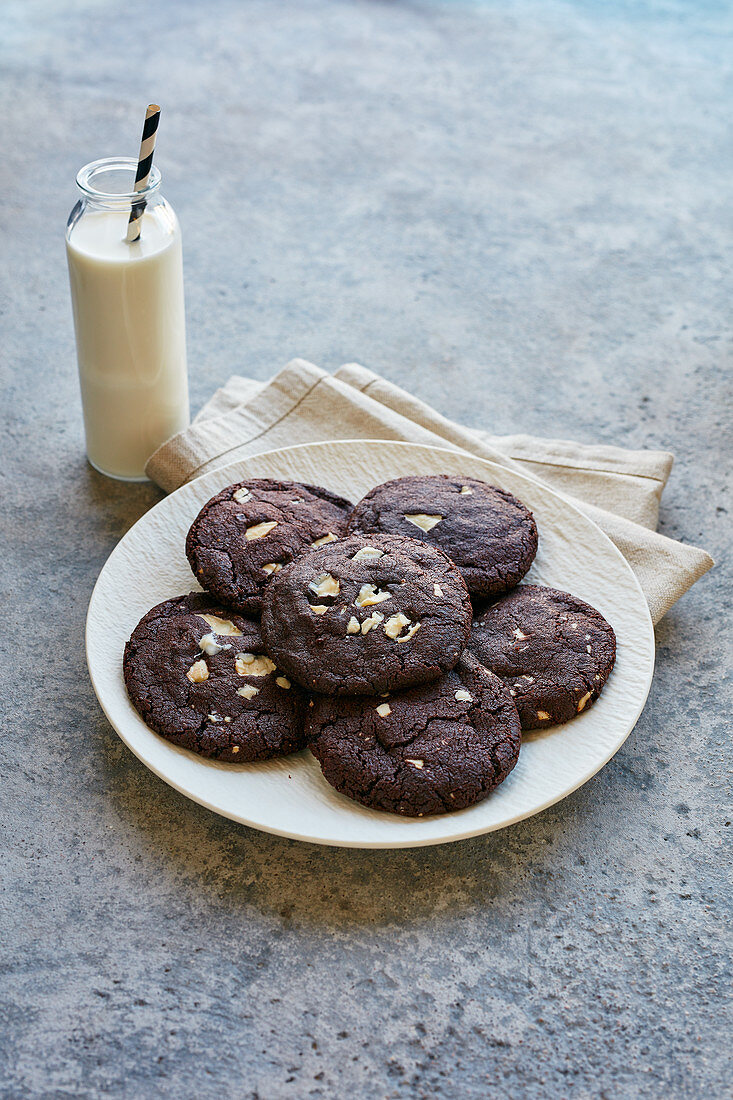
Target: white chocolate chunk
<point x="367" y="552"/>
<point x="247" y="664"/>
<point x="353" y="626"/>
<point x="466" y="492"/>
<point x="383" y="710"/>
<point x="543" y="715"/>
<point x="416" y="763"/>
<point x="214" y="717"/>
<point x="221" y="626"/>
<point x="325" y="585"/>
<point x="464" y="696"/>
<point x="396" y="624"/>
<point x="260" y="530"/>
<point x="198" y="672"/>
<point x="374" y="620"/>
<point x="423" y="521"/>
<point x="406" y="637"/>
<point x="583" y="701"/>
<point x="248" y="691"/>
<point x="282" y="681"/>
<point x="319" y="608"/>
<point x="210" y="646"/>
<point x="437" y="590"/>
<point x="330" y="537"/>
<point x="369" y="594"/>
<point x="519" y="635"/>
<point x="271" y="567"/>
<point x="242" y="495"/>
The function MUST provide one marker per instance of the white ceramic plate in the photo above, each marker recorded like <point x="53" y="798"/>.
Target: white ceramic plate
<point x="290" y="797"/>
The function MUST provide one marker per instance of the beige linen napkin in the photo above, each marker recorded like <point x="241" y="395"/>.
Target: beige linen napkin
<point x="619" y="489"/>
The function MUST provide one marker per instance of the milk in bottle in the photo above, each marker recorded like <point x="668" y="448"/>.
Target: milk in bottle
<point x="129" y="318"/>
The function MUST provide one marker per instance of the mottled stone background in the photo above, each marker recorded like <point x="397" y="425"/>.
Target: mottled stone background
<point x="522" y="212"/>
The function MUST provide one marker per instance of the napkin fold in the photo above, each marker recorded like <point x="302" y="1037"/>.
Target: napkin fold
<point x="617" y="488"/>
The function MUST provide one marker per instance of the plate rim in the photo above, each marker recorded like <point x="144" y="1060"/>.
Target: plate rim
<point x="467" y="834"/>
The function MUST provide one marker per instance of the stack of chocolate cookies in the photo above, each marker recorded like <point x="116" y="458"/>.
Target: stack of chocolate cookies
<point x="392" y="638"/>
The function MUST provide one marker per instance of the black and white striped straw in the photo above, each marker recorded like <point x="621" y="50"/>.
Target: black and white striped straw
<point x="144" y="164"/>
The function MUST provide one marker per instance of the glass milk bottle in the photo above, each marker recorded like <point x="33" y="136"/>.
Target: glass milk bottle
<point x="128" y="317"/>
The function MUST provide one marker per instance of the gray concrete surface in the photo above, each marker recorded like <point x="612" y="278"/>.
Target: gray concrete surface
<point x="522" y="212"/>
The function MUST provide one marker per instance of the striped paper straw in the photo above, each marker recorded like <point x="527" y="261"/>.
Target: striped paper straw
<point x="144" y="164"/>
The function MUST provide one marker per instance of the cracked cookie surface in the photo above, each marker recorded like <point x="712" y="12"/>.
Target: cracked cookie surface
<point x="250" y="530"/>
<point x="433" y="749"/>
<point x="554" y="652"/>
<point x="487" y="532"/>
<point x="198" y="674"/>
<point x="367" y="614"/>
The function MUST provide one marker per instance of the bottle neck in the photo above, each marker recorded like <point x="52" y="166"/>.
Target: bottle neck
<point x="109" y="184"/>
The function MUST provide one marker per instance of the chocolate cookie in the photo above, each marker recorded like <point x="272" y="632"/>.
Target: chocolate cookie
<point x="487" y="532"/>
<point x="436" y="748"/>
<point x="198" y="675"/>
<point x="367" y="614"/>
<point x="554" y="652"/>
<point x="248" y="531"/>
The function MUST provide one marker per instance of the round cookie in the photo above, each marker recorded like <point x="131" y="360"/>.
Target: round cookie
<point x="487" y="532"/>
<point x="248" y="531"/>
<point x="435" y="748"/>
<point x="198" y="675"/>
<point x="553" y="651"/>
<point x="367" y="614"/>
